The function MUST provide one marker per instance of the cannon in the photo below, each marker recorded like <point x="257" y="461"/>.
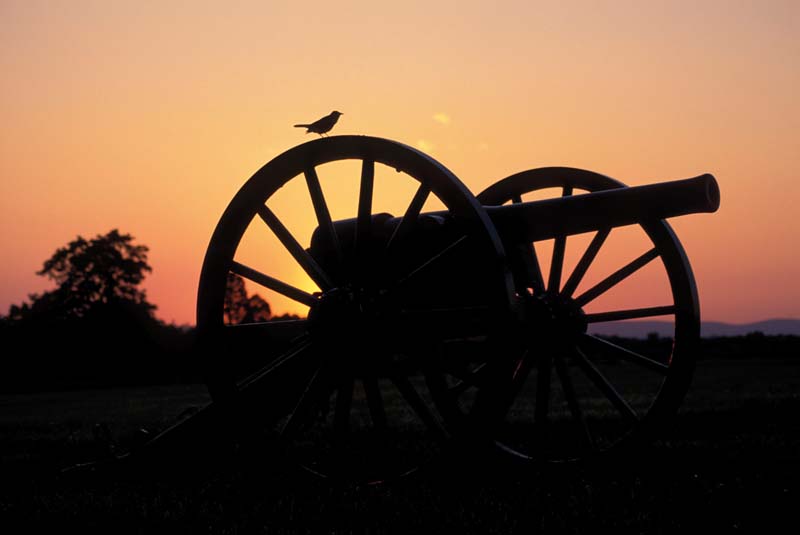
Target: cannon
<point x="452" y="322"/>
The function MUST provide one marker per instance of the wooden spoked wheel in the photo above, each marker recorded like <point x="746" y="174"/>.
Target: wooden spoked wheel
<point x="344" y="389"/>
<point x="567" y="391"/>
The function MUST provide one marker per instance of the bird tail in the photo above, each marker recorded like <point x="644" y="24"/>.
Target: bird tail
<point x="302" y="125"/>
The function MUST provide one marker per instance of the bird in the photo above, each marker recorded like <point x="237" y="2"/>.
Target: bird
<point x="321" y="126"/>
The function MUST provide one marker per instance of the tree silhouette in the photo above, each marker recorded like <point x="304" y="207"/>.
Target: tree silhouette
<point x="96" y="327"/>
<point x="241" y="308"/>
<point x="103" y="272"/>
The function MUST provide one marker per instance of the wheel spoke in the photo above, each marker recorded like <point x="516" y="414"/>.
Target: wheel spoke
<point x="530" y="262"/>
<point x="248" y="335"/>
<point x="604" y="385"/>
<point x="586" y="260"/>
<point x="410" y="217"/>
<point x="268" y="329"/>
<point x="556" y="264"/>
<point x="627" y="354"/>
<point x="429" y="262"/>
<point x="472" y="378"/>
<point x="298" y="351"/>
<point x="543" y="367"/>
<point x="557" y="260"/>
<point x="377" y="412"/>
<point x="616" y="277"/>
<point x="533" y="271"/>
<point x="522" y="370"/>
<point x="297" y="251"/>
<point x="505" y="392"/>
<point x="344" y="400"/>
<point x="273" y="284"/>
<point x="419" y="406"/>
<point x="305" y="403"/>
<point x="364" y="220"/>
<point x="629" y="314"/>
<point x="321" y="210"/>
<point x="572" y="399"/>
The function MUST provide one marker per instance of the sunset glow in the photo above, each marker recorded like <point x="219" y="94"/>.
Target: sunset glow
<point x="149" y="116"/>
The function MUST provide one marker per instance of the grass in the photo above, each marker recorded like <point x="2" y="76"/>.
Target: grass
<point x="730" y="463"/>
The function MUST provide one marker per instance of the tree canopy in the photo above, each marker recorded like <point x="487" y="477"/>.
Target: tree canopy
<point x="97" y="328"/>
<point x="104" y="271"/>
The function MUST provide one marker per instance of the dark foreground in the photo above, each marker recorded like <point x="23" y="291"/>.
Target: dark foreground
<point x="731" y="463"/>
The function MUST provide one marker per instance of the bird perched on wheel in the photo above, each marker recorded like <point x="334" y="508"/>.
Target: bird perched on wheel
<point x="321" y="126"/>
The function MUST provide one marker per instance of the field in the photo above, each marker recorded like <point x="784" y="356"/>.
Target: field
<point x="731" y="463"/>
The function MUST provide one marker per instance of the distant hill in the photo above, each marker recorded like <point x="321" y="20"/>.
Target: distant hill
<point x="640" y="329"/>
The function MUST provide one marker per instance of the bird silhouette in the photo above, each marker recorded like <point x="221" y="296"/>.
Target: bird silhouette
<point x="321" y="126"/>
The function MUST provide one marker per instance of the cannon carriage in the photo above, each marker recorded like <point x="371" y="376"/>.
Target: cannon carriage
<point x="439" y="330"/>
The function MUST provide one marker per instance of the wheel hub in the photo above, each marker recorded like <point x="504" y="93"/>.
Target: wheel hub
<point x="554" y="316"/>
<point x="350" y="322"/>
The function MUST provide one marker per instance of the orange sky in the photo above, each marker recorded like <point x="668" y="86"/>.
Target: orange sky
<point x="148" y="116"/>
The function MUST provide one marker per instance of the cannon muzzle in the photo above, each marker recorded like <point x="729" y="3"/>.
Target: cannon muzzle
<point x="575" y="214"/>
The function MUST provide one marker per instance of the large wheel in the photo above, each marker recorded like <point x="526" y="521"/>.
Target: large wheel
<point x="566" y="388"/>
<point x="343" y="387"/>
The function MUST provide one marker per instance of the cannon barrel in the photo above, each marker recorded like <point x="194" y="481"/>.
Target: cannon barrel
<point x="575" y="214"/>
<point x="561" y="216"/>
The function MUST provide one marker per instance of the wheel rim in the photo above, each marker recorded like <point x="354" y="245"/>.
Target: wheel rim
<point x="530" y="420"/>
<point x="357" y="361"/>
